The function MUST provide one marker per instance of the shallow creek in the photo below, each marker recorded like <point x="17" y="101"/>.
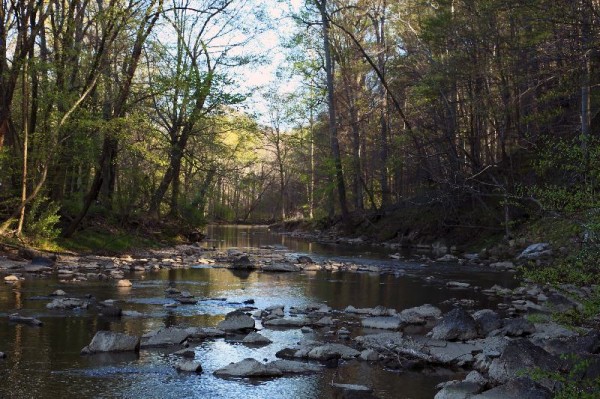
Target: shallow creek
<point x="44" y="362"/>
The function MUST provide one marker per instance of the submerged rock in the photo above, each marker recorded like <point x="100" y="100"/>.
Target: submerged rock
<point x="294" y="367"/>
<point x="108" y="341"/>
<point x="16" y="318"/>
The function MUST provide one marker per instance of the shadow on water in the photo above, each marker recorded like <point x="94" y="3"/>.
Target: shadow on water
<point x="45" y="362"/>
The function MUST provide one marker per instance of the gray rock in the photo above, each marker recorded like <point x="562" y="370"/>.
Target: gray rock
<point x="369" y="355"/>
<point x="288" y="322"/>
<point x="517" y="327"/>
<point x="280" y="268"/>
<point x="352" y="388"/>
<point x="67" y="303"/>
<point x="294" y="367"/>
<point x="236" y="321"/>
<point x="502" y="265"/>
<point x="560" y="303"/>
<point x="458" y="390"/>
<point x="189" y="366"/>
<point x="455" y="325"/>
<point x="166" y="337"/>
<point x="186" y="352"/>
<point x="519" y="388"/>
<point x="248" y="368"/>
<point x="111" y="311"/>
<point x="457" y="284"/>
<point x="16" y="318"/>
<point x="255" y="338"/>
<point x="420" y="314"/>
<point x="304" y="260"/>
<point x="487" y="321"/>
<point x="243" y="263"/>
<point x="324" y="321"/>
<point x="187" y="300"/>
<point x="59" y="293"/>
<point x="383" y="323"/>
<point x="589" y="343"/>
<point x="202" y="333"/>
<point x="447" y="258"/>
<point x="108" y="341"/>
<point x="536" y="251"/>
<point x="520" y="356"/>
<point x="332" y="351"/>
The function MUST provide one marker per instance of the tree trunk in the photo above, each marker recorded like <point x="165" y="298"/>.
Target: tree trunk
<point x="333" y="131"/>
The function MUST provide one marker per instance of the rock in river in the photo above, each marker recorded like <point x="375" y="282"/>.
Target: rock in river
<point x="16" y="318"/>
<point x="255" y="338"/>
<point x="189" y="366"/>
<point x="108" y="341"/>
<point x="124" y="284"/>
<point x="248" y="368"/>
<point x="455" y="325"/>
<point x="236" y="321"/>
<point x="67" y="303"/>
<point x="166" y="337"/>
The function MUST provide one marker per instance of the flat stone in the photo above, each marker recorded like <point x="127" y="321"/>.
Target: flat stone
<point x="352" y="388"/>
<point x="288" y="322"/>
<point x="248" y="368"/>
<point x="420" y="314"/>
<point x="384" y="323"/>
<point x="519" y="388"/>
<point x="280" y="268"/>
<point x="295" y="367"/>
<point x="108" y="341"/>
<point x="67" y="303"/>
<point x="166" y="337"/>
<point x="16" y="318"/>
<point x="458" y="390"/>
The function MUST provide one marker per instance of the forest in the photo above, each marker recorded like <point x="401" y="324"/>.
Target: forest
<point x="131" y="112"/>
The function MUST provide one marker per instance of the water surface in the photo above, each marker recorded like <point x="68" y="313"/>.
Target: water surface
<point x="45" y="362"/>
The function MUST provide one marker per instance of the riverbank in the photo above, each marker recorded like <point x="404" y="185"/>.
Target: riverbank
<point x="458" y="335"/>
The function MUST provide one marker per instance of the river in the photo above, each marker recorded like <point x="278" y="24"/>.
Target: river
<point x="44" y="362"/>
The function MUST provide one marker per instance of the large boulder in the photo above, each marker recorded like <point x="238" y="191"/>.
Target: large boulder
<point x="248" y="368"/>
<point x="456" y="325"/>
<point x="519" y="388"/>
<point x="487" y="321"/>
<point x="108" y="341"/>
<point x="243" y="262"/>
<point x="236" y="321"/>
<point x="521" y="356"/>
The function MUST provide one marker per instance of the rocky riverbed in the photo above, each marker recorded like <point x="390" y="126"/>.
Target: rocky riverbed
<point x="486" y="352"/>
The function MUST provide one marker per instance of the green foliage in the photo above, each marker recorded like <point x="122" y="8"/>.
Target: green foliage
<point x="42" y="219"/>
<point x="572" y="384"/>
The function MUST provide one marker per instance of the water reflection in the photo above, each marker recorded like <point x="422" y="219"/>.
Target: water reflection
<point x="45" y="362"/>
